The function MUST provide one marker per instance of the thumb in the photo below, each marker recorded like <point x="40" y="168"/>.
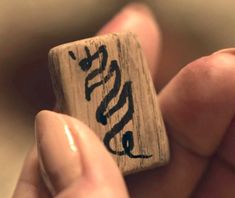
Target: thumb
<point x="74" y="163"/>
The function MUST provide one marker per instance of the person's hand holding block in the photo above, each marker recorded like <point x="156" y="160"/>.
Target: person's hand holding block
<point x="104" y="81"/>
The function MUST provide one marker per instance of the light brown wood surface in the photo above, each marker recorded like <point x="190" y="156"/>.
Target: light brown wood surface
<point x="104" y="81"/>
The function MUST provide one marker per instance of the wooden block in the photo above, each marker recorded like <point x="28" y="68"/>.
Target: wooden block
<point x="105" y="82"/>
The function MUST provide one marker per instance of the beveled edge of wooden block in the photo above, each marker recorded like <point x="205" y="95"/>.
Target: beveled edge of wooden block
<point x="65" y="45"/>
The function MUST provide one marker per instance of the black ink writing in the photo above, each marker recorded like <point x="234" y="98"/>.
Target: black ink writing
<point x="102" y="112"/>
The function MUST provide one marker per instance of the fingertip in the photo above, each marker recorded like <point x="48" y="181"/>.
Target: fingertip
<point x="91" y="148"/>
<point x="138" y="18"/>
<point x="99" y="169"/>
<point x="73" y="160"/>
<point x="128" y="17"/>
<point x="59" y="158"/>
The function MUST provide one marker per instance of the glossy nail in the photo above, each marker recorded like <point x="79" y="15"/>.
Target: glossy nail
<point x="59" y="155"/>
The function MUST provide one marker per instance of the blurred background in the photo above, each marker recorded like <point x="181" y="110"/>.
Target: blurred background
<point x="28" y="29"/>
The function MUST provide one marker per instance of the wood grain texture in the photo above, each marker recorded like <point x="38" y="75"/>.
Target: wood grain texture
<point x="105" y="82"/>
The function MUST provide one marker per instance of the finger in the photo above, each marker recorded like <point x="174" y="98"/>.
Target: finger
<point x="199" y="103"/>
<point x="30" y="183"/>
<point x="74" y="160"/>
<point x="138" y="19"/>
<point x="58" y="154"/>
<point x="198" y="106"/>
<point x="219" y="181"/>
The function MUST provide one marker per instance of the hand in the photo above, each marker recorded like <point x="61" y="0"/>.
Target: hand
<point x="73" y="162"/>
<point x="198" y="107"/>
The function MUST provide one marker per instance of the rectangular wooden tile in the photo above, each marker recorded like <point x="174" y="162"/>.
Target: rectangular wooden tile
<point x="105" y="82"/>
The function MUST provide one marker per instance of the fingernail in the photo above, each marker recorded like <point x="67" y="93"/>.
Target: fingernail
<point x="228" y="50"/>
<point x="59" y="155"/>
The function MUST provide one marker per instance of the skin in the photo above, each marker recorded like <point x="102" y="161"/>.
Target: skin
<point x="198" y="107"/>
